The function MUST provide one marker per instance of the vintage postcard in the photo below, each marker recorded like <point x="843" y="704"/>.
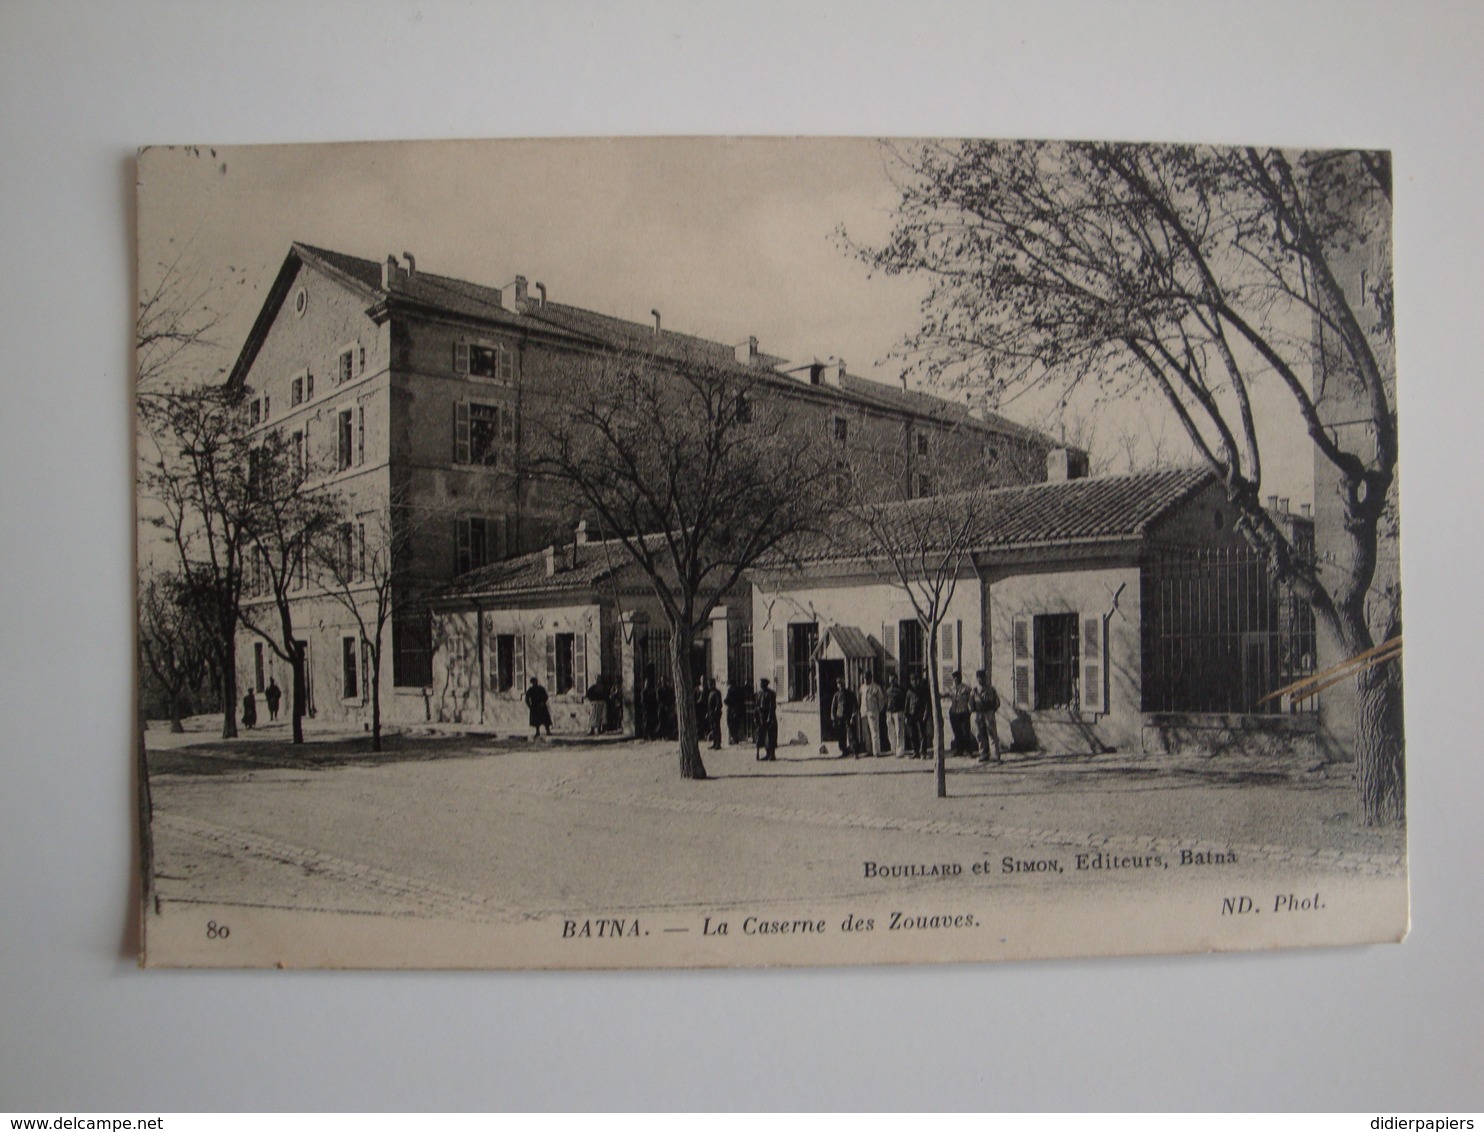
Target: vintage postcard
<point x="721" y="552"/>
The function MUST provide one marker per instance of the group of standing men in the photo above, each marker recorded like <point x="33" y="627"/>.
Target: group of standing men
<point x="907" y="713"/>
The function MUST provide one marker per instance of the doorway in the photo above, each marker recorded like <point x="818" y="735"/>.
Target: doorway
<point x="831" y="676"/>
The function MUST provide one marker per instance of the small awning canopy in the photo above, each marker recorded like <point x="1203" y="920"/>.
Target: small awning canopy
<point x="845" y="642"/>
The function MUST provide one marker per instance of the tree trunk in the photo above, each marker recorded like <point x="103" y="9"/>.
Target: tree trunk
<point x="376" y="698"/>
<point x="685" y="704"/>
<point x="935" y="687"/>
<point x="229" y="683"/>
<point x="297" y="713"/>
<point x="1380" y="769"/>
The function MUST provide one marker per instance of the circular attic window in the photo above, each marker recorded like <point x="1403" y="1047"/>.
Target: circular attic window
<point x="301" y="301"/>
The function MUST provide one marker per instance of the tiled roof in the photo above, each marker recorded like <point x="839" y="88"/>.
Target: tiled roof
<point x="1066" y="512"/>
<point x="438" y="291"/>
<point x="472" y="300"/>
<point x="926" y="404"/>
<point x="595" y="561"/>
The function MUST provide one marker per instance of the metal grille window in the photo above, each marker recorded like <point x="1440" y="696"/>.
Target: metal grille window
<point x="803" y="640"/>
<point x="1055" y="660"/>
<point x="1219" y="634"/>
<point x="911" y="650"/>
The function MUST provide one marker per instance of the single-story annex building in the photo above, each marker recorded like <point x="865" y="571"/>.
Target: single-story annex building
<point x="1121" y="613"/>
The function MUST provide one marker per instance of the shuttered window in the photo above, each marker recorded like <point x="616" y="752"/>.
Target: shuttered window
<point x="1021" y="660"/>
<point x="579" y="661"/>
<point x="1094" y="668"/>
<point x="780" y="660"/>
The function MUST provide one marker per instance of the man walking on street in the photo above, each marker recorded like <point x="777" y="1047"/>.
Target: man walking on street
<point x="713" y="712"/>
<point x="736" y="703"/>
<point x="986" y="701"/>
<point x="767" y="721"/>
<point x="872" y="703"/>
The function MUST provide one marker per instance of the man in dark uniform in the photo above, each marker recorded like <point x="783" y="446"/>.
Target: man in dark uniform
<point x="736" y="702"/>
<point x="767" y="721"/>
<point x="713" y="713"/>
<point x="842" y="712"/>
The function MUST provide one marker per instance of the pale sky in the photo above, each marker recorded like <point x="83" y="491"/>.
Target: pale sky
<point x="725" y="237"/>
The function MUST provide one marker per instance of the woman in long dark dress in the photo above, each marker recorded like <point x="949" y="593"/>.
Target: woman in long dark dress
<point x="540" y="713"/>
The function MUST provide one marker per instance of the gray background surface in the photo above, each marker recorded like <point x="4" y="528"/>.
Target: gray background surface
<point x="1385" y="1028"/>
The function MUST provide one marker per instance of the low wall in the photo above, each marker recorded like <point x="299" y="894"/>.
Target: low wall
<point x="1212" y="735"/>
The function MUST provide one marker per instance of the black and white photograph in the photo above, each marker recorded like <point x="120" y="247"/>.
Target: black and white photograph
<point x="727" y="551"/>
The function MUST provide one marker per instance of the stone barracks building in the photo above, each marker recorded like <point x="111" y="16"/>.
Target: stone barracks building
<point x="398" y="385"/>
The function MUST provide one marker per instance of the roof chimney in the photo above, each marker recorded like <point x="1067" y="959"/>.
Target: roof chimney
<point x="747" y="351"/>
<point x="656" y="319"/>
<point x="541" y="290"/>
<point x="390" y="273"/>
<point x="1065" y="464"/>
<point x="520" y="292"/>
<point x="1283" y="505"/>
<point x="1273" y="504"/>
<point x="411" y="265"/>
<point x="1306" y="510"/>
<point x="834" y="371"/>
<point x="549" y="554"/>
<point x="579" y="535"/>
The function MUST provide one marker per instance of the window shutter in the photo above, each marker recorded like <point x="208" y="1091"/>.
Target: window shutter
<point x="780" y="656"/>
<point x="1024" y="690"/>
<point x="551" y="663"/>
<point x="889" y="642"/>
<point x="461" y="544"/>
<point x="461" y="357"/>
<point x="579" y="662"/>
<point x="520" y="664"/>
<point x="1093" y="666"/>
<point x="360" y="434"/>
<point x="945" y="638"/>
<point x="461" y="432"/>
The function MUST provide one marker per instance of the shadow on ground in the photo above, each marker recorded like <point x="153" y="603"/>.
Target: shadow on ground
<point x="232" y="756"/>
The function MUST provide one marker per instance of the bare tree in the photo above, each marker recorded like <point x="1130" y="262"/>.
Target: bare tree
<point x="694" y="468"/>
<point x="362" y="562"/>
<point x="922" y="548"/>
<point x="288" y="516"/>
<point x="173" y="641"/>
<point x="1200" y="274"/>
<point x="197" y="477"/>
